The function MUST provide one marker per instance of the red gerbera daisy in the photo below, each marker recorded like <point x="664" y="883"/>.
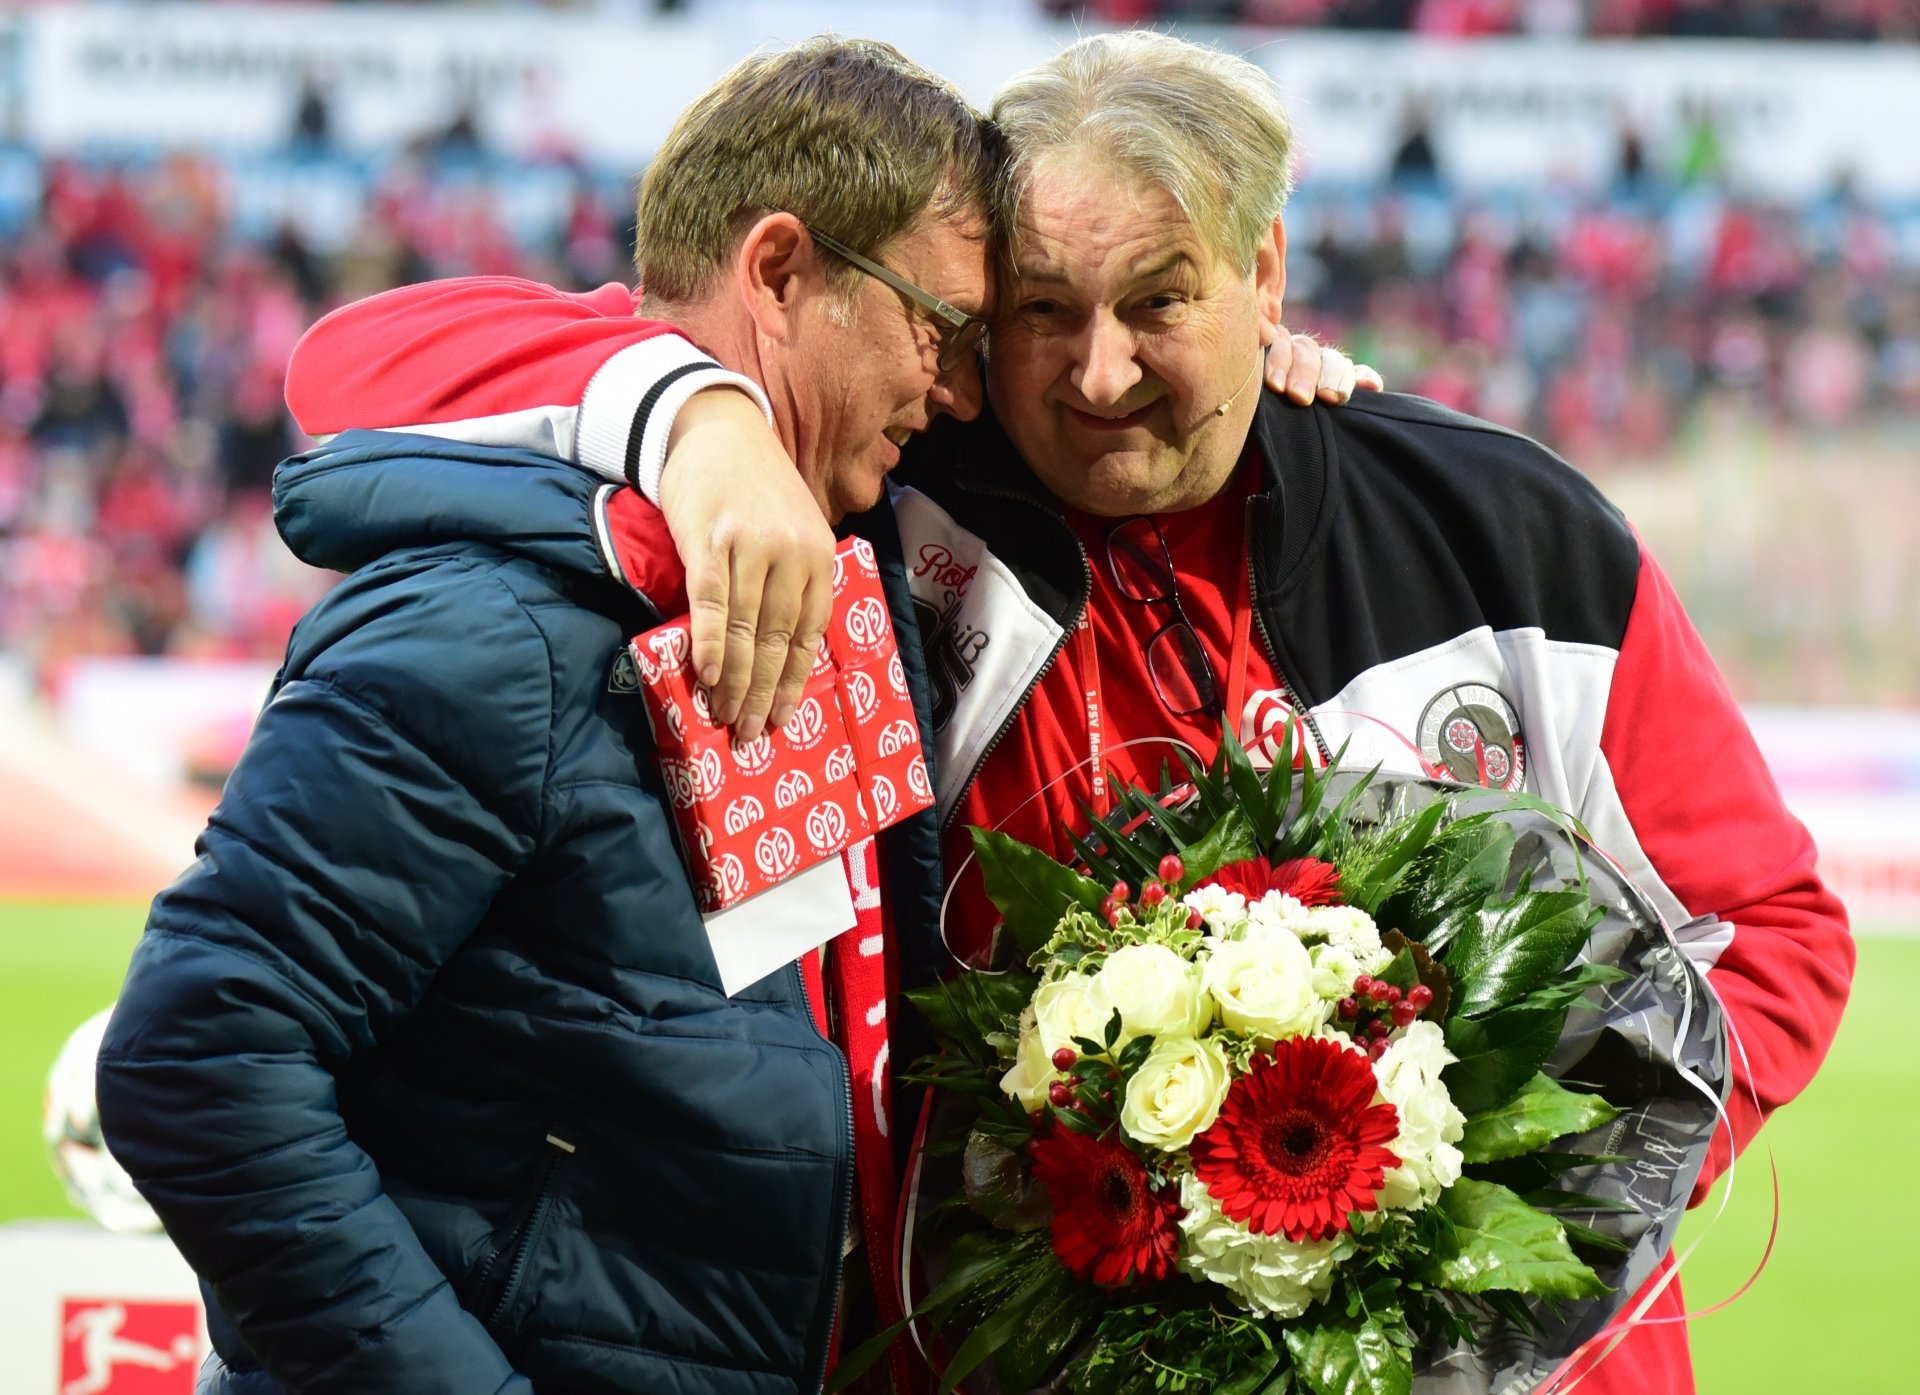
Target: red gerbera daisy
<point x="1299" y="1143"/>
<point x="1109" y="1225"/>
<point x="1307" y="879"/>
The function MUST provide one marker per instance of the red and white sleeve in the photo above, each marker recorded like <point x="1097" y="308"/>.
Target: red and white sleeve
<point x="500" y="361"/>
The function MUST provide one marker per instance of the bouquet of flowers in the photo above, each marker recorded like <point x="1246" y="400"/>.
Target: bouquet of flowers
<point x="1275" y="1095"/>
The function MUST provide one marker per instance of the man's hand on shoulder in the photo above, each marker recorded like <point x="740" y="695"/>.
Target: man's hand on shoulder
<point x="1304" y="370"/>
<point x="758" y="554"/>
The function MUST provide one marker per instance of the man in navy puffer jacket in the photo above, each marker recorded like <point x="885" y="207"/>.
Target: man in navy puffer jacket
<point x="425" y="1063"/>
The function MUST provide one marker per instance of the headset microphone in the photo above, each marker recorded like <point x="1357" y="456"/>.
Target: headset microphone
<point x="1227" y="406"/>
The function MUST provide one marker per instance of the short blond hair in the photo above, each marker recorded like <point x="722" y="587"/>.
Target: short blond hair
<point x="1206" y="126"/>
<point x="848" y="135"/>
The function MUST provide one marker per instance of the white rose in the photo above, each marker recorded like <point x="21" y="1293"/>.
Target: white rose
<point x="1277" y="911"/>
<point x="1032" y="1073"/>
<point x="1156" y="992"/>
<point x="1346" y="926"/>
<point x="1408" y="1073"/>
<point x="1225" y="911"/>
<point x="1264" y="986"/>
<point x="1067" y="1008"/>
<point x="1268" y="1273"/>
<point x="1176" y="1092"/>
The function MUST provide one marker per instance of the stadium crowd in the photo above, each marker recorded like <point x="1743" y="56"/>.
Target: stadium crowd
<point x="147" y="311"/>
<point x="1858" y="21"/>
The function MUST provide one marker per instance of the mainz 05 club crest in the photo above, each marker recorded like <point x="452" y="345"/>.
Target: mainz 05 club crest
<point x="1471" y="733"/>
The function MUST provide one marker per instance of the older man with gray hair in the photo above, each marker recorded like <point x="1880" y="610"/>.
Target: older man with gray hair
<point x="1138" y="543"/>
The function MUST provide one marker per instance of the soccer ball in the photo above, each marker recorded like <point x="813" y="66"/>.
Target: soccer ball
<point x="70" y="1125"/>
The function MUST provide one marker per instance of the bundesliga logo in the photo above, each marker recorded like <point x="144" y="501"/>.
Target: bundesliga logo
<point x="840" y="764"/>
<point x="744" y="813"/>
<point x="864" y="695"/>
<point x="885" y="800"/>
<point x="775" y="852"/>
<point x="867" y="622"/>
<point x="755" y="756"/>
<point x="806" y="726"/>
<point x="917" y="781"/>
<point x="826" y="826"/>
<point x="791" y="788"/>
<point x="896" y="737"/>
<point x="729" y="876"/>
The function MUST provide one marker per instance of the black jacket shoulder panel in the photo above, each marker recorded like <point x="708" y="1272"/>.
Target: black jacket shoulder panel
<point x="1427" y="523"/>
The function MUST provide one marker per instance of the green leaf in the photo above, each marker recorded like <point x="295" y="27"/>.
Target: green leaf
<point x="1351" y="1356"/>
<point x="1056" y="1317"/>
<point x="996" y="1328"/>
<point x="1542" y="1111"/>
<point x="1499" y="1053"/>
<point x="1592" y="1239"/>
<point x="1504" y="952"/>
<point x="1252" y="1376"/>
<point x="1031" y="890"/>
<point x="1230" y="840"/>
<point x="965" y="1009"/>
<point x="1499" y="1243"/>
<point x="1250" y="795"/>
<point x="1539" y="1170"/>
<point x="1391" y="864"/>
<point x="1466" y="864"/>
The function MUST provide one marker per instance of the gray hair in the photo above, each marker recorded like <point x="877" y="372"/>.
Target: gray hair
<point x="1206" y="126"/>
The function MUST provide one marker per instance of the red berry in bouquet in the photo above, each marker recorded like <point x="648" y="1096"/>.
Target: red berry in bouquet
<point x="1171" y="869"/>
<point x="1299" y="1143"/>
<point x="1109" y="1225"/>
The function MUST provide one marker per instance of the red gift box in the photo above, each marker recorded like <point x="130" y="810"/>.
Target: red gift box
<point x="846" y="764"/>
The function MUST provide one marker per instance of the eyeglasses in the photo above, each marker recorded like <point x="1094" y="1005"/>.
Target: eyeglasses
<point x="1142" y="571"/>
<point x="964" y="331"/>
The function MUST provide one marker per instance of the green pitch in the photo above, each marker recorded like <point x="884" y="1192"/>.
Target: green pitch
<point x="1825" y="1316"/>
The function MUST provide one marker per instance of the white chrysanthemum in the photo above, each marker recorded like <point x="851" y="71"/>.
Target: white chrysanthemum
<point x="1225" y="911"/>
<point x="1156" y="992"/>
<point x="1264" y="986"/>
<point x="1268" y="1273"/>
<point x="1277" y="911"/>
<point x="1335" y="967"/>
<point x="1176" y="1092"/>
<point x="1346" y="926"/>
<point x="1409" y="1078"/>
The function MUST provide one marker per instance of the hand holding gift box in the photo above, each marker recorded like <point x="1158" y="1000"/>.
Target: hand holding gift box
<point x="846" y="764"/>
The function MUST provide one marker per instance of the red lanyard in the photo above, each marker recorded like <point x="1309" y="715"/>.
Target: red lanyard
<point x="1099" y="735"/>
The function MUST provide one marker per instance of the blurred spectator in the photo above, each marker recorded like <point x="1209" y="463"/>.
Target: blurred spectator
<point x="147" y="311"/>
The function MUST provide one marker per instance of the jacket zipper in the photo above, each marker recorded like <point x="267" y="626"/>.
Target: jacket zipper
<point x="520" y="1244"/>
<point x="1072" y="621"/>
<point x="844" y="1183"/>
<point x="1287" y="689"/>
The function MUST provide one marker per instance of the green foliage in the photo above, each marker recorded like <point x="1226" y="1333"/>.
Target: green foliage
<point x="1360" y="1353"/>
<point x="1503" y="952"/>
<point x="1542" y="1111"/>
<point x="1496" y="1242"/>
<point x="1031" y="890"/>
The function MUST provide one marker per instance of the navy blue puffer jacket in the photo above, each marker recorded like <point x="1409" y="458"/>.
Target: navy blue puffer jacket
<point x="424" y="1061"/>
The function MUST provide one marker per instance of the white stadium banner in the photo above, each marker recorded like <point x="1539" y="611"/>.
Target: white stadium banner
<point x="1504" y="112"/>
<point x="86" y="1312"/>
